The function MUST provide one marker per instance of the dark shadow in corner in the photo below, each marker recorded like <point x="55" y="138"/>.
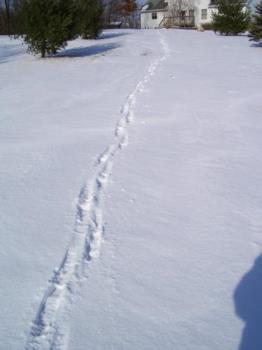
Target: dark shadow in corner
<point x="111" y="35"/>
<point x="257" y="44"/>
<point x="87" y="51"/>
<point x="248" y="306"/>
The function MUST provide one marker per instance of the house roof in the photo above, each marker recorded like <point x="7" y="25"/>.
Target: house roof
<point x="153" y="5"/>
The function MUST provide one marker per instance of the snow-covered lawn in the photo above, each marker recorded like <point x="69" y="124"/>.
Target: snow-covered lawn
<point x="148" y="142"/>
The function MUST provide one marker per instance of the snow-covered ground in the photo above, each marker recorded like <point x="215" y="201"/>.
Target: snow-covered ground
<point x="131" y="194"/>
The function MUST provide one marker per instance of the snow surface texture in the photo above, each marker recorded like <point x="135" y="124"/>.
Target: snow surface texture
<point x="46" y="332"/>
<point x="180" y="220"/>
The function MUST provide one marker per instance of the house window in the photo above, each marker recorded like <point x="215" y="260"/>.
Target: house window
<point x="154" y="15"/>
<point x="204" y="14"/>
<point x="183" y="13"/>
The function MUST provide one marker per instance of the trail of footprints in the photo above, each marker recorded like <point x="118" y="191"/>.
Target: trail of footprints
<point x="47" y="331"/>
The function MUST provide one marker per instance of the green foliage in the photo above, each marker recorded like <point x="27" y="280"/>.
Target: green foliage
<point x="46" y="25"/>
<point x="232" y="17"/>
<point x="255" y="32"/>
<point x="90" y="18"/>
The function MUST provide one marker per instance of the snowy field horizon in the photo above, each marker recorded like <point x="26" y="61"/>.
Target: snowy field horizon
<point x="131" y="193"/>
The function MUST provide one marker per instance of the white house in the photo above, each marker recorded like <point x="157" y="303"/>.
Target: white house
<point x="180" y="13"/>
<point x="153" y="14"/>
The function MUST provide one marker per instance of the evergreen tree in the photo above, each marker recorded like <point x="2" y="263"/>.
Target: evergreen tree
<point x="232" y="17"/>
<point x="46" y="25"/>
<point x="255" y="32"/>
<point x="8" y="14"/>
<point x="90" y="18"/>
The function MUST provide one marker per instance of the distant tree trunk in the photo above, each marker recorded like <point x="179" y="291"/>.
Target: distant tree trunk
<point x="43" y="49"/>
<point x="180" y="11"/>
<point x="7" y="12"/>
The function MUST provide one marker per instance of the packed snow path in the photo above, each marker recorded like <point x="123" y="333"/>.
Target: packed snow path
<point x="180" y="217"/>
<point x="46" y="332"/>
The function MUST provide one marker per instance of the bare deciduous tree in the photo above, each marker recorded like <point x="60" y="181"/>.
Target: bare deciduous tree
<point x="178" y="10"/>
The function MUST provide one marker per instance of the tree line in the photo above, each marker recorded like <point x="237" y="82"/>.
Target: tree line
<point x="47" y="25"/>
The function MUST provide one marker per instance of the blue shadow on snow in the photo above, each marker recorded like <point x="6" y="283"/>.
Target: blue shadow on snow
<point x="109" y="35"/>
<point x="87" y="51"/>
<point x="248" y="306"/>
<point x="259" y="44"/>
